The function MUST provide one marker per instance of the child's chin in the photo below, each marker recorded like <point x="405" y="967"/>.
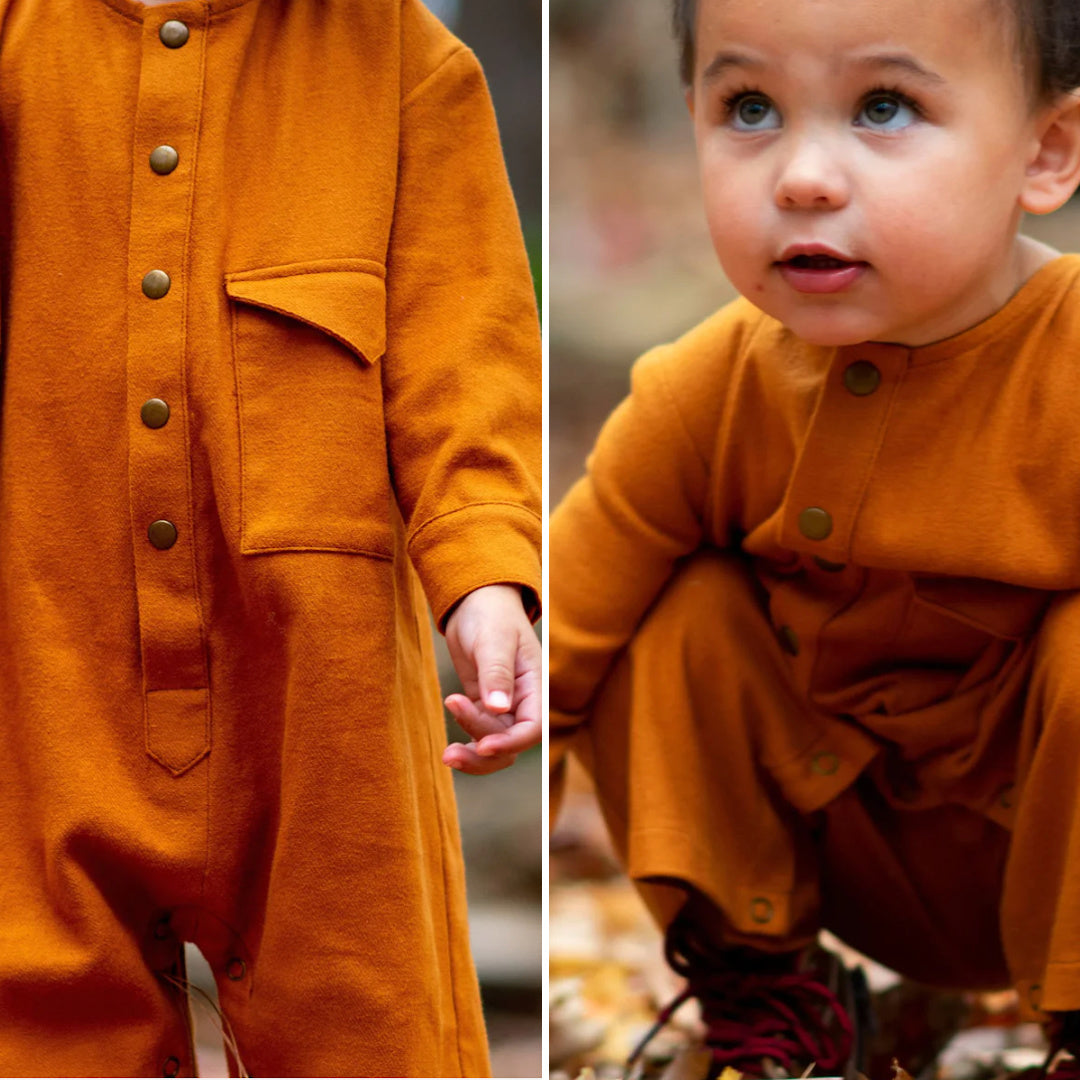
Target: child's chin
<point x="831" y="338"/>
<point x="831" y="328"/>
<point x="833" y="332"/>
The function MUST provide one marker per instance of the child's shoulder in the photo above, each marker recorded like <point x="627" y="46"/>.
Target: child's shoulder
<point x="736" y="338"/>
<point x="734" y="328"/>
<point x="427" y="46"/>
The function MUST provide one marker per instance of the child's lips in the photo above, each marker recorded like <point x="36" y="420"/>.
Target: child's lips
<point x="820" y="272"/>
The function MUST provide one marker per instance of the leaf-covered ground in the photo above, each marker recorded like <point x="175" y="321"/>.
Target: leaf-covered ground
<point x="609" y="978"/>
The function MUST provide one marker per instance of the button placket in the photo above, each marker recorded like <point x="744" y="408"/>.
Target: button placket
<point x="839" y="451"/>
<point x="170" y="626"/>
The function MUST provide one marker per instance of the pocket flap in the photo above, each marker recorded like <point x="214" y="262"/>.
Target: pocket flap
<point x="1006" y="611"/>
<point x="345" y="298"/>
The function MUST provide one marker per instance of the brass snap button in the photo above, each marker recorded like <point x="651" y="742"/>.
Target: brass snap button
<point x="154" y="413"/>
<point x="156" y="284"/>
<point x="173" y="33"/>
<point x="862" y="378"/>
<point x="236" y="969"/>
<point x="162" y="534"/>
<point x="163" y="927"/>
<point x="815" y="523"/>
<point x="825" y="764"/>
<point x="171" y="1067"/>
<point x="761" y="910"/>
<point x="163" y="159"/>
<point x="789" y="640"/>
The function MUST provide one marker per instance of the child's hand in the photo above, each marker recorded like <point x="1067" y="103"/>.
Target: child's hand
<point x="497" y="657"/>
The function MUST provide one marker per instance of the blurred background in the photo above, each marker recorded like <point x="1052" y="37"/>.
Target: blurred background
<point x="631" y="265"/>
<point x="500" y="814"/>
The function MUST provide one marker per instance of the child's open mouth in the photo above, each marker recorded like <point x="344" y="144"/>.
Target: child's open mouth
<point x="818" y="273"/>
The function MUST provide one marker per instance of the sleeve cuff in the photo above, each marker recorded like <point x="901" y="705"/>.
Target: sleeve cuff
<point x="483" y="544"/>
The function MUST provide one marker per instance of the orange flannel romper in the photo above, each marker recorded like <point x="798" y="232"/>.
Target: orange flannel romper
<point x="271" y="374"/>
<point x="815" y="632"/>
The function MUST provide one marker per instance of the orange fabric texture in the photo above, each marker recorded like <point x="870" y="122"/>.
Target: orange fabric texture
<point x="227" y="728"/>
<point x="915" y="628"/>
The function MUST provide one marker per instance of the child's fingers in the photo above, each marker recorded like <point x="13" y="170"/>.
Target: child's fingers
<point x="473" y="719"/>
<point x="521" y="736"/>
<point x="495" y="658"/>
<point x="464" y="758"/>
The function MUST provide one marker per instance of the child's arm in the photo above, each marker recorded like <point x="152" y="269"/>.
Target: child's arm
<point x="647" y="500"/>
<point x="497" y="657"/>
<point x="462" y="388"/>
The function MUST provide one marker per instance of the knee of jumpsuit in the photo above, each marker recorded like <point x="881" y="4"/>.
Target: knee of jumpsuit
<point x="705" y="761"/>
<point x="1040" y="912"/>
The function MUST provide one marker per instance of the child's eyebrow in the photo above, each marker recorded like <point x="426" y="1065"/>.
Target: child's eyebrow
<point x="904" y="61"/>
<point x="724" y="61"/>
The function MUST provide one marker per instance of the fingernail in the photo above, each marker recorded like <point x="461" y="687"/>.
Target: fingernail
<point x="499" y="700"/>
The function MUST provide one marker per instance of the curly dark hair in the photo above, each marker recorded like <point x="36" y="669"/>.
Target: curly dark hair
<point x="1047" y="34"/>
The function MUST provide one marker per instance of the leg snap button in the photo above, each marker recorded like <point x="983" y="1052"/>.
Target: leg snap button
<point x="236" y="969"/>
<point x="171" y="1067"/>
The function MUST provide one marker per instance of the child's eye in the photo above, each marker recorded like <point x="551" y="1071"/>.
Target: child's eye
<point x="887" y="112"/>
<point x="752" y="112"/>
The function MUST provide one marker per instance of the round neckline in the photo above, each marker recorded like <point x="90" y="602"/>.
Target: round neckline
<point x="1033" y="293"/>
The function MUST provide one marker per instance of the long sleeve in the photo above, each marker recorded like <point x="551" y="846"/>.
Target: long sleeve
<point x="462" y="375"/>
<point x="617" y="535"/>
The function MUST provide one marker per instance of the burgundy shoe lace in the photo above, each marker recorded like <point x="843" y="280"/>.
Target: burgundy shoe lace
<point x="748" y="1015"/>
<point x="1055" y="1067"/>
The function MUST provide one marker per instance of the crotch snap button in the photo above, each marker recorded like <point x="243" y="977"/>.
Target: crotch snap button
<point x="236" y="969"/>
<point x="171" y="1067"/>
<point x="824" y="764"/>
<point x="761" y="910"/>
<point x="163" y="927"/>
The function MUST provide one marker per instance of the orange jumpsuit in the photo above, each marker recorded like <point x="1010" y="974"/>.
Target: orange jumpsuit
<point x="270" y="375"/>
<point x="815" y="632"/>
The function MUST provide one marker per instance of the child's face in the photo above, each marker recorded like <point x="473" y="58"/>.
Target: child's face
<point x="895" y="136"/>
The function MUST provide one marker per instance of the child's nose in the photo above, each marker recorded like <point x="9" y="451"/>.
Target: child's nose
<point x="811" y="177"/>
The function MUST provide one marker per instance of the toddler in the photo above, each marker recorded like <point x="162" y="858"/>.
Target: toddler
<point x="270" y="388"/>
<point x="815" y="630"/>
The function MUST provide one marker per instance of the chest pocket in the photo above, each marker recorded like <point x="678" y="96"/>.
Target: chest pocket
<point x="306" y="341"/>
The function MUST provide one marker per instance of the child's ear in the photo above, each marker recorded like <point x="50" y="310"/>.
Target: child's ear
<point x="1054" y="171"/>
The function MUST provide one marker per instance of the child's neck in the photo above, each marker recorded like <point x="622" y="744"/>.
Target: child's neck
<point x="1033" y="255"/>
